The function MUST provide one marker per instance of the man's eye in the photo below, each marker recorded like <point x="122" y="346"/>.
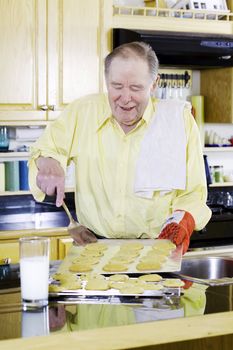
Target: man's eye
<point x="135" y="88"/>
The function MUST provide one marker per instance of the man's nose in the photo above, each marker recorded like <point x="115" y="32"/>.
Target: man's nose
<point x="126" y="96"/>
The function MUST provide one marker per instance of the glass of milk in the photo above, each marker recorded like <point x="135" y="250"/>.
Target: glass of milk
<point x="34" y="271"/>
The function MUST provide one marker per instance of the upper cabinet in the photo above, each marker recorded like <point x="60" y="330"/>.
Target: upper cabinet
<point x="52" y="51"/>
<point x="49" y="56"/>
<point x="22" y="59"/>
<point x="73" y="57"/>
<point x="217" y="88"/>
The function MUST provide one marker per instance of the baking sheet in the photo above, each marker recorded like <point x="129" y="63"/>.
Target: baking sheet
<point x="173" y="262"/>
<point x="112" y="292"/>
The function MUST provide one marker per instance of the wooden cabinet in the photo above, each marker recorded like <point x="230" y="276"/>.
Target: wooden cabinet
<point x="73" y="57"/>
<point x="217" y="88"/>
<point x="22" y="59"/>
<point x="49" y="56"/>
<point x="9" y="250"/>
<point x="64" y="245"/>
<point x="9" y="242"/>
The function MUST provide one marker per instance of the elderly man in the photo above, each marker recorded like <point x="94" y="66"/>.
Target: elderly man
<point x="138" y="161"/>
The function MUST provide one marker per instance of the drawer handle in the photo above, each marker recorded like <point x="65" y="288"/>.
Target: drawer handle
<point x="5" y="261"/>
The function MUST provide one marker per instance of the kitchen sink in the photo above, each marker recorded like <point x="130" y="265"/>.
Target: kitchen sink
<point x="213" y="271"/>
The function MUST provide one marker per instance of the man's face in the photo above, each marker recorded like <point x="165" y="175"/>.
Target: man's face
<point x="129" y="86"/>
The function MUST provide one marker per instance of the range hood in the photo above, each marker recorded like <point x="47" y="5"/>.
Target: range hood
<point x="175" y="49"/>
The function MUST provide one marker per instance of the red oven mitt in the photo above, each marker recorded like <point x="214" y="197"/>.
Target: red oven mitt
<point x="178" y="228"/>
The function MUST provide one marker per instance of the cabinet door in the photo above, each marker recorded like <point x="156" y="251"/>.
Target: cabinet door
<point x="64" y="245"/>
<point x="22" y="59"/>
<point x="9" y="250"/>
<point x="73" y="60"/>
<point x="216" y="87"/>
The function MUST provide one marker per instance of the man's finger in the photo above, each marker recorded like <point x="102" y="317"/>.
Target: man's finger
<point x="60" y="195"/>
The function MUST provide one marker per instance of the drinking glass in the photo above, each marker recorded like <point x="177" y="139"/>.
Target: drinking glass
<point x="34" y="271"/>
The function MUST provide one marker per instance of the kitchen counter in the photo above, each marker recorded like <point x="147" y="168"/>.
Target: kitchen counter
<point x="200" y="323"/>
<point x="200" y="318"/>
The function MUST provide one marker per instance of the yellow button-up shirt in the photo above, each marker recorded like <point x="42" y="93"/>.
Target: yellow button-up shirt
<point x="105" y="159"/>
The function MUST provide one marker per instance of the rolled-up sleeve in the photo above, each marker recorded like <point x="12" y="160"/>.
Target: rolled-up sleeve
<point x="193" y="198"/>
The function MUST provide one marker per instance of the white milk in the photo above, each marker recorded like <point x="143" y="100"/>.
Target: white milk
<point x="34" y="275"/>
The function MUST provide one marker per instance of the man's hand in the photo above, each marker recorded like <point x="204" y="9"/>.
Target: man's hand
<point x="51" y="178"/>
<point x="57" y="317"/>
<point x="178" y="228"/>
<point x="82" y="235"/>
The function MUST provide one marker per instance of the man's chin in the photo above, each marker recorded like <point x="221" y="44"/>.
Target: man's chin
<point x="128" y="120"/>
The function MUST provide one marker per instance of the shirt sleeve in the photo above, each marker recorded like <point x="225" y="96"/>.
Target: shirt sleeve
<point x="55" y="142"/>
<point x="193" y="198"/>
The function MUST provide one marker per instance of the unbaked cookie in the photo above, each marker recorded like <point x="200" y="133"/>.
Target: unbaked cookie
<point x="110" y="267"/>
<point x="152" y="277"/>
<point x="72" y="285"/>
<point x="121" y="260"/>
<point x="118" y="278"/>
<point x="64" y="276"/>
<point x="91" y="275"/>
<point x="144" y="266"/>
<point x="97" y="284"/>
<point x="80" y="268"/>
<point x="96" y="246"/>
<point x="132" y="245"/>
<point x="92" y="253"/>
<point x="89" y="260"/>
<point x="173" y="283"/>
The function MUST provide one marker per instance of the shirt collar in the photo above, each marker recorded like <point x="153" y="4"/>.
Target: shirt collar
<point x="107" y="116"/>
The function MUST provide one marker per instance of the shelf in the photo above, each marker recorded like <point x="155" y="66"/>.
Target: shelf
<point x="222" y="184"/>
<point x="218" y="149"/>
<point x="11" y="156"/>
<point x="24" y="122"/>
<point x="155" y="18"/>
<point x="21" y="193"/>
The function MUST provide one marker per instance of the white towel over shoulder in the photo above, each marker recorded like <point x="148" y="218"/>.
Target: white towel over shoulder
<point x="161" y="164"/>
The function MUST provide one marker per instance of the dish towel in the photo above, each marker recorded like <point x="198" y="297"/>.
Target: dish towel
<point x="161" y="164"/>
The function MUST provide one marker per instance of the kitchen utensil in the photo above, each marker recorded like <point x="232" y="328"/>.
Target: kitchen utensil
<point x="73" y="224"/>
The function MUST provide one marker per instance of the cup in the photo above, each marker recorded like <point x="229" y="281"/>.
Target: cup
<point x="34" y="271"/>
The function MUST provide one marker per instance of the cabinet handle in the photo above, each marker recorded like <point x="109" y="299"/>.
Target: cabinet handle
<point x="52" y="108"/>
<point x="44" y="107"/>
<point x="5" y="261"/>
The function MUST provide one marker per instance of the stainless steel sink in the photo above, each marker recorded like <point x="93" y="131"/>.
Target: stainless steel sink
<point x="207" y="270"/>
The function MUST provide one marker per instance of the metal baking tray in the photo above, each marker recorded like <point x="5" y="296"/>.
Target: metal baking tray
<point x="173" y="262"/>
<point x="84" y="294"/>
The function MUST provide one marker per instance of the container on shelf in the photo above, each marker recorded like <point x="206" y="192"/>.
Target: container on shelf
<point x="4" y="140"/>
<point x="216" y="172"/>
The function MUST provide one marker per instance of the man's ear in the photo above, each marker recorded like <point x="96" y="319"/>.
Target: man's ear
<point x="155" y="83"/>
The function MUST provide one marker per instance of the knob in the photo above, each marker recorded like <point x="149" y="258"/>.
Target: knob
<point x="52" y="108"/>
<point x="44" y="107"/>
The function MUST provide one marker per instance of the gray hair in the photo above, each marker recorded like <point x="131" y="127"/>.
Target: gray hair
<point x="135" y="48"/>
